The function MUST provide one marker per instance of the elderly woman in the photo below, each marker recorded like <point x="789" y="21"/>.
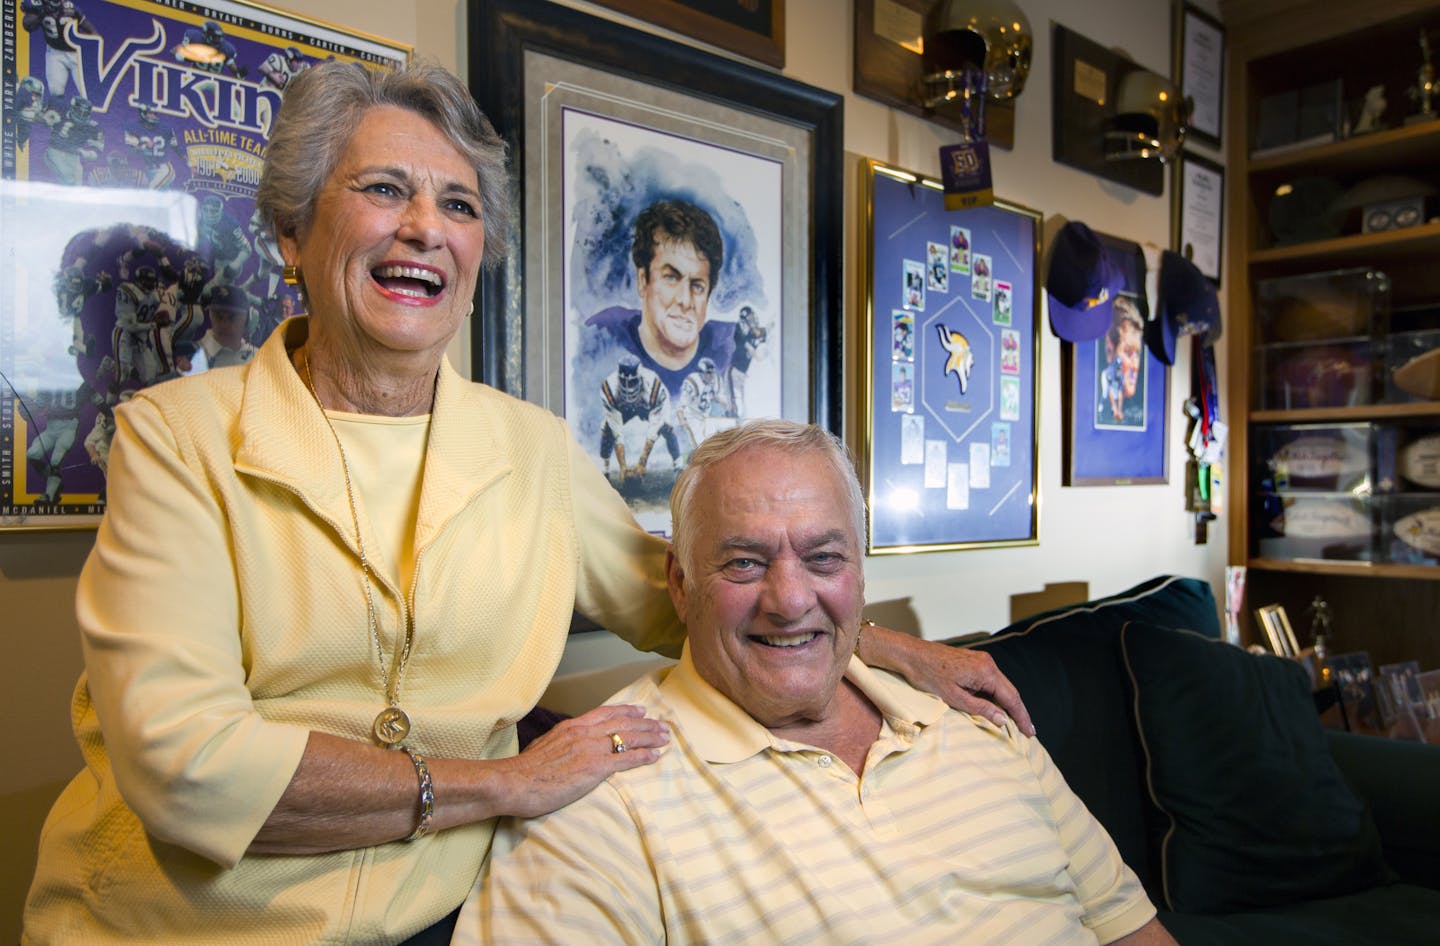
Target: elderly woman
<point x="334" y="578"/>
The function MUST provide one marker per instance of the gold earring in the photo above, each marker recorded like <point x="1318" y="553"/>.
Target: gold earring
<point x="291" y="275"/>
<point x="471" y="311"/>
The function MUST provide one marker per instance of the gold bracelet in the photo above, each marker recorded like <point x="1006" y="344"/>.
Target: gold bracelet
<point x="860" y="632"/>
<point x="427" y="795"/>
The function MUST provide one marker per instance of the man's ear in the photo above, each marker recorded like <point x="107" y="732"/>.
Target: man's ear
<point x="675" y="580"/>
<point x="642" y="279"/>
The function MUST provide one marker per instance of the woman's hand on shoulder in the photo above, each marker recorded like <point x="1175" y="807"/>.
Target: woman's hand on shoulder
<point x="966" y="679"/>
<point x="577" y="755"/>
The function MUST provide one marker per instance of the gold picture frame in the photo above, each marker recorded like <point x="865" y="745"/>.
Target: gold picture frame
<point x="1278" y="633"/>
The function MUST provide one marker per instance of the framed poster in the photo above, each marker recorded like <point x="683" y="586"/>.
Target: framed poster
<point x="1200" y="72"/>
<point x="677" y="267"/>
<point x="754" y="28"/>
<point x="1200" y="213"/>
<point x="951" y="386"/>
<point x="1116" y="390"/>
<point x="131" y="152"/>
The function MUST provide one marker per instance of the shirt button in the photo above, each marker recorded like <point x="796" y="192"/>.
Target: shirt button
<point x="824" y="761"/>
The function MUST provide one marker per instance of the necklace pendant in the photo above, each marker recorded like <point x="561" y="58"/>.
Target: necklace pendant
<point x="391" y="726"/>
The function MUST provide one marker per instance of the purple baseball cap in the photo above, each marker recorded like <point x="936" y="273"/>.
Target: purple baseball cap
<point x="1188" y="305"/>
<point x="1081" y="283"/>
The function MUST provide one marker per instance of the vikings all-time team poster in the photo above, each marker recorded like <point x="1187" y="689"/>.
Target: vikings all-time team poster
<point x="134" y="132"/>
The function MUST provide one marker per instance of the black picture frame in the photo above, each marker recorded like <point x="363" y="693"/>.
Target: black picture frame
<point x="501" y="35"/>
<point x="1199" y="213"/>
<point x="754" y="29"/>
<point x="1200" y="72"/>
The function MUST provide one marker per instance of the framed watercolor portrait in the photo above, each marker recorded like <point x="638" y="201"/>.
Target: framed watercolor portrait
<point x="131" y="153"/>
<point x="951" y="378"/>
<point x="676" y="270"/>
<point x="1116" y="390"/>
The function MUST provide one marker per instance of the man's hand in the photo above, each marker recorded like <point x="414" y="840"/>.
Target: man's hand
<point x="966" y="679"/>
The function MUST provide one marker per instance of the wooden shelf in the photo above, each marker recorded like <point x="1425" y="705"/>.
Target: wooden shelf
<point x="1411" y="245"/>
<point x="1325" y="567"/>
<point x="1412" y="146"/>
<point x="1310" y="415"/>
<point x="1280" y="46"/>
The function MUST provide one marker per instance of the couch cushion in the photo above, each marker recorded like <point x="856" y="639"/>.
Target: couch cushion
<point x="1166" y="600"/>
<point x="1066" y="664"/>
<point x="1398" y="915"/>
<point x="1258" y="813"/>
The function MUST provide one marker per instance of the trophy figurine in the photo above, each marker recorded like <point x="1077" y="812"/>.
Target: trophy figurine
<point x="1320" y="630"/>
<point x="1423" y="91"/>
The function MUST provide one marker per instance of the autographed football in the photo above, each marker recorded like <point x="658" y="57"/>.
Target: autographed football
<point x="1321" y="519"/>
<point x="1421" y="530"/>
<point x="1319" y="457"/>
<point x="1419" y="461"/>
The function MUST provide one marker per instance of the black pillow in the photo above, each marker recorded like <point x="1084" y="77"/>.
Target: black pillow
<point x="1259" y="814"/>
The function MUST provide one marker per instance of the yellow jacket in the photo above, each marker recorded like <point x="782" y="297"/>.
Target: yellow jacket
<point x="223" y="618"/>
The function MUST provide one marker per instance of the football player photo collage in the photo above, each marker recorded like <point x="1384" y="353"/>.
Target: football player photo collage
<point x="945" y="266"/>
<point x="952" y="398"/>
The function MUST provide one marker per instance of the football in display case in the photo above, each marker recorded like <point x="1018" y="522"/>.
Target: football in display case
<point x="1319" y="526"/>
<point x="1317" y="338"/>
<point x="1407" y="458"/>
<point x="1322" y="457"/>
<point x="1412" y="366"/>
<point x="1311" y="489"/>
<point x="1410" y="528"/>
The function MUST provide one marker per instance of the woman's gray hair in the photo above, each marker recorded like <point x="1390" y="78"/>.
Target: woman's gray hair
<point x="322" y="108"/>
<point x="787" y="435"/>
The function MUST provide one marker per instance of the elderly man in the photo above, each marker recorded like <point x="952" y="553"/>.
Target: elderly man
<point x="804" y="798"/>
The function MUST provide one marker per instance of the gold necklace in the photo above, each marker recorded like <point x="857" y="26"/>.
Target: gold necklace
<point x="392" y="724"/>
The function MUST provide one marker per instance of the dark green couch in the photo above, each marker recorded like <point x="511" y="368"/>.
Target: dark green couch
<point x="1247" y="822"/>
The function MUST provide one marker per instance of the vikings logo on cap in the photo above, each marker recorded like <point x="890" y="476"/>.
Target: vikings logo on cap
<point x="1082" y="283"/>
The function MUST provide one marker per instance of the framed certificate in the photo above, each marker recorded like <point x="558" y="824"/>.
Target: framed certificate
<point x="1200" y="213"/>
<point x="1200" y="70"/>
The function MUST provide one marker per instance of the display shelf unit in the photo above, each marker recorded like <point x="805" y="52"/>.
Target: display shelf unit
<point x="1386" y="608"/>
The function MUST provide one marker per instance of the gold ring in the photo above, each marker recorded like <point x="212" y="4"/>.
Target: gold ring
<point x="618" y="742"/>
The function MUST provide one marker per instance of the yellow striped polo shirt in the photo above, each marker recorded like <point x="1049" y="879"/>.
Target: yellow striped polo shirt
<point x="958" y="831"/>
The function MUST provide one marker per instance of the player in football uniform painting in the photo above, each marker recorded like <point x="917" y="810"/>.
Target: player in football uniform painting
<point x="210" y="35"/>
<point x="142" y="313"/>
<point x="634" y="395"/>
<point x="62" y="63"/>
<point x="154" y="142"/>
<point x="75" y="139"/>
<point x="72" y="289"/>
<point x="222" y="239"/>
<point x="703" y="408"/>
<point x="749" y="336"/>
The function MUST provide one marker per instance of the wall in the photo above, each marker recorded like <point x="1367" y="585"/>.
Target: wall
<point x="1109" y="537"/>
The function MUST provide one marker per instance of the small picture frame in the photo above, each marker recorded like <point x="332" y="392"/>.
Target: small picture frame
<point x="1355" y="677"/>
<point x="1278" y="633"/>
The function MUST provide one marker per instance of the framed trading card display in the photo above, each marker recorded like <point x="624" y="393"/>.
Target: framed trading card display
<point x="676" y="271"/>
<point x="1116" y="390"/>
<point x="131" y="153"/>
<point x="951" y="372"/>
